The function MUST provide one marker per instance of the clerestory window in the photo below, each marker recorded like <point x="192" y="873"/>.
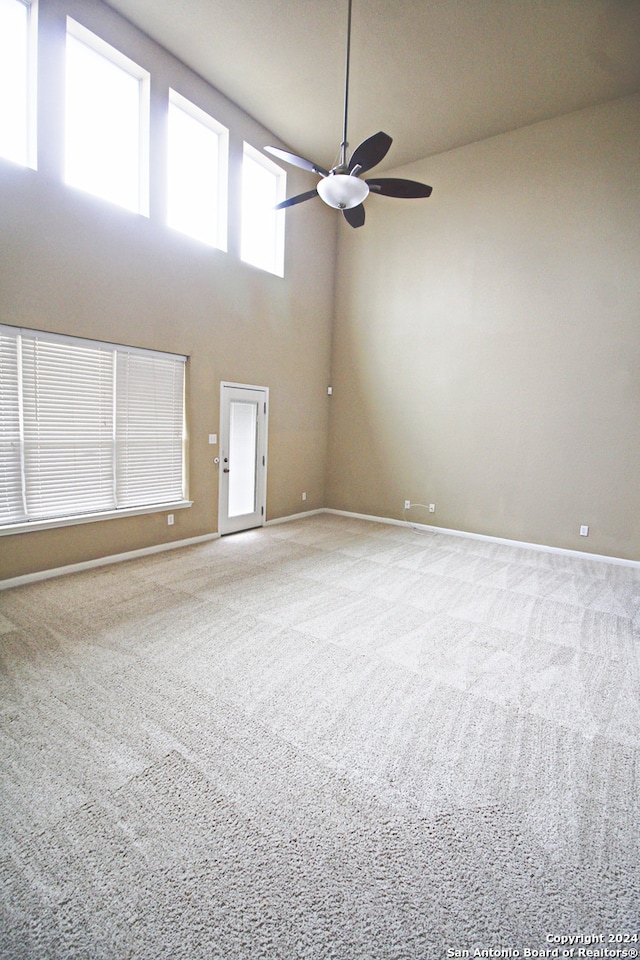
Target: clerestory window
<point x="17" y="81"/>
<point x="107" y="121"/>
<point x="263" y="186"/>
<point x="197" y="164"/>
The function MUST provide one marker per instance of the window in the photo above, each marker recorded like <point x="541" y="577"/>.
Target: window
<point x="263" y="186"/>
<point x="197" y="151"/>
<point x="17" y="82"/>
<point x="86" y="427"/>
<point x="107" y="121"/>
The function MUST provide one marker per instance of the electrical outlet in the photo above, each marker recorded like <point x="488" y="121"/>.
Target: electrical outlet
<point x="304" y="496"/>
<point x="584" y="531"/>
<point x="432" y="508"/>
<point x="407" y="504"/>
<point x="170" y="519"/>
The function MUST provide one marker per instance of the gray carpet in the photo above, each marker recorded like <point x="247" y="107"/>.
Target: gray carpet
<point x="322" y="739"/>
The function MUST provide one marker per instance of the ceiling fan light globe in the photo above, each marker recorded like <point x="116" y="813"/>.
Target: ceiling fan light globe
<point x="342" y="191"/>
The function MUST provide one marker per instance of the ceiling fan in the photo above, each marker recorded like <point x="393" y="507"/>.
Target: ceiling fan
<point x="342" y="187"/>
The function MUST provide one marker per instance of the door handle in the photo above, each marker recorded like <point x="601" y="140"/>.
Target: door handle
<point x="225" y="469"/>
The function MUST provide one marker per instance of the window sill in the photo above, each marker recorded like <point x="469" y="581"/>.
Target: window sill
<point x="27" y="526"/>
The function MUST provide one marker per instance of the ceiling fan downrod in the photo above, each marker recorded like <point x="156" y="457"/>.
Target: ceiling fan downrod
<point x="344" y="145"/>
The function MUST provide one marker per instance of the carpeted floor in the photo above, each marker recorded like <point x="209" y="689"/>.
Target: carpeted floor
<point x="322" y="739"/>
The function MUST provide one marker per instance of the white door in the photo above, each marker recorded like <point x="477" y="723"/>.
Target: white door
<point x="243" y="456"/>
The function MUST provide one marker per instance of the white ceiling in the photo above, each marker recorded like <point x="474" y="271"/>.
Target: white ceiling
<point x="434" y="74"/>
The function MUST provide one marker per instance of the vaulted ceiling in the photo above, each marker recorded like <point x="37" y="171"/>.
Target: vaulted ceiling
<point x="434" y="74"/>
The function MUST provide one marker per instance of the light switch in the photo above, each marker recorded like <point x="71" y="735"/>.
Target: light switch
<point x="213" y="438"/>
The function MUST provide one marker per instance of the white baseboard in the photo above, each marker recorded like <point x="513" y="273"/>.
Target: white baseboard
<point x="176" y="544"/>
<point x="295" y="516"/>
<point x="540" y="547"/>
<point x="103" y="561"/>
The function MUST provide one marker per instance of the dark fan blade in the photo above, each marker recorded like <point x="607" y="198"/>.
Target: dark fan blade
<point x="355" y="215"/>
<point x="297" y="161"/>
<point x="370" y="152"/>
<point x="390" y="187"/>
<point x="301" y="197"/>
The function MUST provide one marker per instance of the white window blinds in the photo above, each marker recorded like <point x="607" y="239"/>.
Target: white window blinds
<point x="87" y="427"/>
<point x="149" y="429"/>
<point x="67" y="414"/>
<point x="11" y="491"/>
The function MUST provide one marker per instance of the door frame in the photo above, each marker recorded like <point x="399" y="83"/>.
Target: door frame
<point x="261" y="469"/>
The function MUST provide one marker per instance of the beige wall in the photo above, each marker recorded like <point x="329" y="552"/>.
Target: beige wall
<point x="486" y="344"/>
<point x="72" y="264"/>
<point x="486" y="351"/>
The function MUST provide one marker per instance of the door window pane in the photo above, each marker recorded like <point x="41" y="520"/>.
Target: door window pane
<point x="243" y="419"/>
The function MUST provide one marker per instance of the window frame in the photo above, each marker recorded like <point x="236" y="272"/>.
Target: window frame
<point x="119" y="59"/>
<point x="30" y="156"/>
<point x="192" y="110"/>
<point x="280" y="176"/>
<point x="24" y="525"/>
